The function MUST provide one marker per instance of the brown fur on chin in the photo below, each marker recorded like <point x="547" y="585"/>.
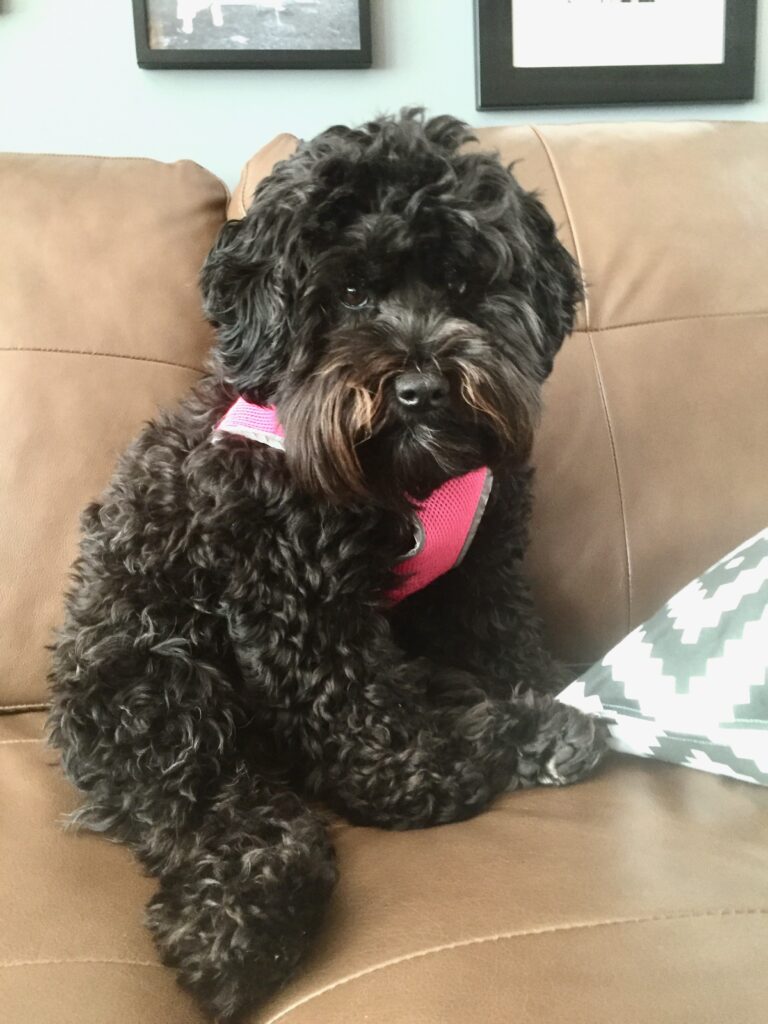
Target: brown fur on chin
<point x="347" y="401"/>
<point x="326" y="419"/>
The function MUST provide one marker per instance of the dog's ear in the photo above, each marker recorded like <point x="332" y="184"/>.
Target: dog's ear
<point x="248" y="290"/>
<point x="555" y="279"/>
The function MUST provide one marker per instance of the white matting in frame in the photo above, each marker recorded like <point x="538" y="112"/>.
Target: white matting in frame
<point x="617" y="33"/>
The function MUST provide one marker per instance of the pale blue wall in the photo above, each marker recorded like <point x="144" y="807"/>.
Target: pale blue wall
<point x="69" y="83"/>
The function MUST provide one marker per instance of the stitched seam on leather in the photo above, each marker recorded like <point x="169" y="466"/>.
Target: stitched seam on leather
<point x="5" y="708"/>
<point x="524" y="933"/>
<point x="567" y="208"/>
<point x="617" y="472"/>
<point x="79" y="960"/>
<point x="87" y="156"/>
<point x="246" y="178"/>
<point x="106" y="355"/>
<point x="673" y="320"/>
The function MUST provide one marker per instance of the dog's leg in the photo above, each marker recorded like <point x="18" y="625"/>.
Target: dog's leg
<point x="377" y="745"/>
<point x="405" y="766"/>
<point x="400" y="765"/>
<point x="480" y="618"/>
<point x="238" y="914"/>
<point x="150" y="734"/>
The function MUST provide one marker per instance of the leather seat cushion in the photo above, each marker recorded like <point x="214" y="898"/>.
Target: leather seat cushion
<point x="642" y="889"/>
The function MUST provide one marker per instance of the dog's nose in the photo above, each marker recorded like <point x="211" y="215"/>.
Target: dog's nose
<point x="421" y="391"/>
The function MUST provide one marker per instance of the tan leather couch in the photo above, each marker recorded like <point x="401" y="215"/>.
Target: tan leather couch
<point x="640" y="895"/>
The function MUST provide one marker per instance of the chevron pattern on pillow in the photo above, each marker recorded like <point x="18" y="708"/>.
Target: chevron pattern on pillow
<point x="690" y="685"/>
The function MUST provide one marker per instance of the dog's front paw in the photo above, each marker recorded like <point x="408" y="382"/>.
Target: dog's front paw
<point x="568" y="746"/>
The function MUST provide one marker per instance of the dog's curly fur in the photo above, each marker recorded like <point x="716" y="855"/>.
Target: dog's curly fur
<point x="228" y="651"/>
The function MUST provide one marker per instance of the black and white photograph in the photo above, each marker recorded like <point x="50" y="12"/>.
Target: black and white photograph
<point x="252" y="33"/>
<point x="572" y="52"/>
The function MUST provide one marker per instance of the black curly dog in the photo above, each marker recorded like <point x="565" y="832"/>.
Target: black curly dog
<point x="229" y="652"/>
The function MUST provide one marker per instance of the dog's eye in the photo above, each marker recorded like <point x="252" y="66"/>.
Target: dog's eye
<point x="457" y="286"/>
<point x="354" y="297"/>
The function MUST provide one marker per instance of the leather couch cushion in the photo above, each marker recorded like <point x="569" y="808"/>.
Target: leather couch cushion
<point x="639" y="895"/>
<point x="100" y="323"/>
<point x="650" y="457"/>
<point x="72" y="946"/>
<point x="258" y="167"/>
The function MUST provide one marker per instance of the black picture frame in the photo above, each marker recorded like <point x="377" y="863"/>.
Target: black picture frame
<point x="147" y="57"/>
<point x="500" y="85"/>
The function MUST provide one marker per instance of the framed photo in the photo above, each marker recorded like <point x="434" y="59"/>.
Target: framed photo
<point x="556" y="53"/>
<point x="252" y="33"/>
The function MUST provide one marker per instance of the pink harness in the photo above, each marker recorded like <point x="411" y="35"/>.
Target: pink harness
<point x="445" y="523"/>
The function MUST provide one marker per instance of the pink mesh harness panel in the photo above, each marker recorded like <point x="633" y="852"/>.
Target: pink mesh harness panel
<point x="445" y="523"/>
<point x="259" y="422"/>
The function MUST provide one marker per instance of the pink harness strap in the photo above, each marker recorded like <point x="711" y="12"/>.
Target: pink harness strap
<point x="258" y="422"/>
<point x="445" y="523"/>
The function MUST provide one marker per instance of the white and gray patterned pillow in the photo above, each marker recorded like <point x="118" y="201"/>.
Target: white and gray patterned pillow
<point x="691" y="684"/>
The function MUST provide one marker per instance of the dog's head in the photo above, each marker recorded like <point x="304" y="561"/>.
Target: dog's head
<point x="399" y="300"/>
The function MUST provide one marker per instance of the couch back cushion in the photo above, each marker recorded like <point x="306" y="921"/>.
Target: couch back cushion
<point x="651" y="456"/>
<point x="100" y="323"/>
